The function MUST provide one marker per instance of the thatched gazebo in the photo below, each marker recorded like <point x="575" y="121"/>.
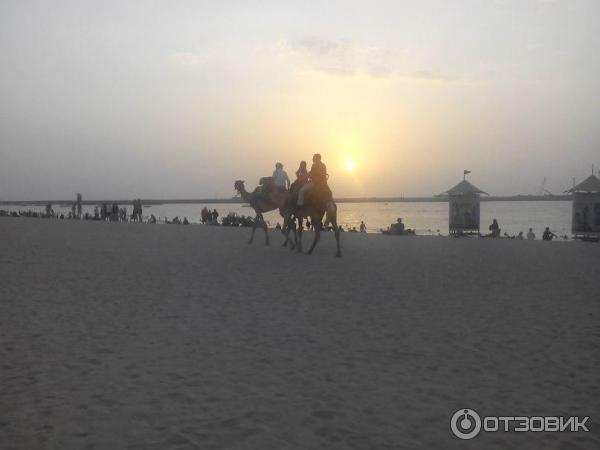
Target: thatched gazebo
<point x="586" y="209"/>
<point x="463" y="201"/>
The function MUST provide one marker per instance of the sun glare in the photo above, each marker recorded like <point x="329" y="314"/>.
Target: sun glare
<point x="350" y="165"/>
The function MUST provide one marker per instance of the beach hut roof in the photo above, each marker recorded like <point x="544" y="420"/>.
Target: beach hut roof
<point x="590" y="184"/>
<point x="464" y="187"/>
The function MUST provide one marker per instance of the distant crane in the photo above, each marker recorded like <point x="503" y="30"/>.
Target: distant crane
<point x="542" y="189"/>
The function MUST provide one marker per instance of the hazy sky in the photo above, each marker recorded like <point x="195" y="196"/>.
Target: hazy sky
<point x="175" y="99"/>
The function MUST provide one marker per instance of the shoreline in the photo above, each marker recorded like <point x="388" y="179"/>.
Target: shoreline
<point x="421" y="233"/>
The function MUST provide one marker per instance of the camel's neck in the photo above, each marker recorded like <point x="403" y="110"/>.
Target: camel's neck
<point x="259" y="203"/>
<point x="245" y="194"/>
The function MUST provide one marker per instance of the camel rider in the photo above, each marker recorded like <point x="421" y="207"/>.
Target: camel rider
<point x="280" y="178"/>
<point x="302" y="173"/>
<point x="318" y="179"/>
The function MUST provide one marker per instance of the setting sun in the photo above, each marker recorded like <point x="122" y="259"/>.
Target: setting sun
<point x="350" y="165"/>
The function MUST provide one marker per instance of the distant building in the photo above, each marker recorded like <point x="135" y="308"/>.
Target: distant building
<point x="586" y="209"/>
<point x="463" y="208"/>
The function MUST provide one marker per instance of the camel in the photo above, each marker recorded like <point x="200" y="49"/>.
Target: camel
<point x="315" y="208"/>
<point x="264" y="203"/>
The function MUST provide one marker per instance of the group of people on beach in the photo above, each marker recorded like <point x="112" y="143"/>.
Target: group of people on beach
<point x="547" y="235"/>
<point x="208" y="217"/>
<point x="114" y="213"/>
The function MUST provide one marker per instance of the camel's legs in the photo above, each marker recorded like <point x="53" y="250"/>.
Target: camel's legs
<point x="264" y="225"/>
<point x="293" y="243"/>
<point x="332" y="213"/>
<point x="286" y="234"/>
<point x="317" y="226"/>
<point x="336" y="230"/>
<point x="290" y="226"/>
<point x="256" y="219"/>
<point x="299" y="240"/>
<point x="288" y="223"/>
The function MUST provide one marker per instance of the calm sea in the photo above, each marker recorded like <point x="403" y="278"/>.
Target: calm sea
<point x="426" y="218"/>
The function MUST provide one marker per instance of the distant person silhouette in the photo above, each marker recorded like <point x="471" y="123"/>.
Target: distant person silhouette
<point x="548" y="235"/>
<point x="494" y="229"/>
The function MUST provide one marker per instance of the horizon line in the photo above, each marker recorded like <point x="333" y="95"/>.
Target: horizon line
<point x="233" y="200"/>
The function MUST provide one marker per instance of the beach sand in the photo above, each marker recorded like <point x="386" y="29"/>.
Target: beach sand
<point x="131" y="336"/>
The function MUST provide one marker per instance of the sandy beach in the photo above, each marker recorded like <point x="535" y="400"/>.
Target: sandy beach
<point x="134" y="336"/>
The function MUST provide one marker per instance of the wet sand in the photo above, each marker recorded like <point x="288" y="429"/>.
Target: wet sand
<point x="131" y="336"/>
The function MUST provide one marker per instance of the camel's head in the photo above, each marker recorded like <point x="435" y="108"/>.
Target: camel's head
<point x="239" y="185"/>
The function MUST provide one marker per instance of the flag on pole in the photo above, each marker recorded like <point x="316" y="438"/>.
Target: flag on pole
<point x="466" y="171"/>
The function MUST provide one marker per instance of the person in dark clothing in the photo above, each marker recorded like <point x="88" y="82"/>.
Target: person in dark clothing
<point x="318" y="179"/>
<point x="548" y="235"/>
<point x="398" y="227"/>
<point x="302" y="173"/>
<point x="494" y="229"/>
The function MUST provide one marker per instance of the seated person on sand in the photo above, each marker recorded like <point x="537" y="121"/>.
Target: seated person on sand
<point x="318" y="181"/>
<point x="494" y="229"/>
<point x="398" y="228"/>
<point x="530" y="235"/>
<point x="548" y="235"/>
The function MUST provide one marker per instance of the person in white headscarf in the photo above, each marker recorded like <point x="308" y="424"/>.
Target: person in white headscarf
<point x="280" y="177"/>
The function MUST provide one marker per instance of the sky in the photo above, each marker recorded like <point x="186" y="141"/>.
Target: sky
<point x="178" y="99"/>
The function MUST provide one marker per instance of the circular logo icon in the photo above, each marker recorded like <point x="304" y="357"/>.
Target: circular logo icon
<point x="465" y="424"/>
